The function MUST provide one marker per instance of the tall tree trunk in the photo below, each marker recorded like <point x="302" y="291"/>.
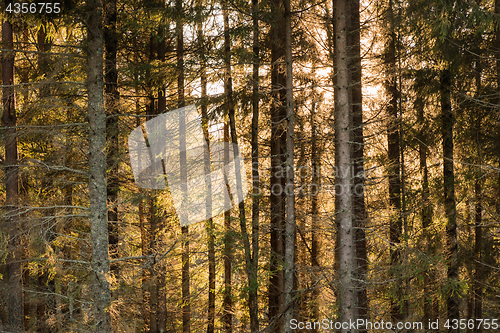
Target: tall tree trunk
<point x="145" y="273"/>
<point x="344" y="207"/>
<point x="209" y="222"/>
<point x="186" y="293"/>
<point x="354" y="40"/>
<point x="315" y="240"/>
<point x="277" y="179"/>
<point x="426" y="211"/>
<point x="253" y="283"/>
<point x="97" y="168"/>
<point x="9" y="120"/>
<point x="394" y="170"/>
<point x="478" y="218"/>
<point x="227" y="317"/>
<point x="497" y="65"/>
<point x="44" y="46"/>
<point x="449" y="196"/>
<point x="290" y="177"/>
<point x="161" y="267"/>
<point x="240" y="178"/>
<point x="153" y="248"/>
<point x="112" y="131"/>
<point x="478" y="239"/>
<point x="229" y="110"/>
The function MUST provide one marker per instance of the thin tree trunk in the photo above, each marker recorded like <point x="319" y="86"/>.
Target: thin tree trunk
<point x="145" y="275"/>
<point x="44" y="46"/>
<point x="449" y="196"/>
<point x="315" y="240"/>
<point x="290" y="177"/>
<point x="186" y="293"/>
<point x="277" y="179"/>
<point x="394" y="170"/>
<point x="358" y="157"/>
<point x="209" y="222"/>
<point x="478" y="289"/>
<point x="97" y="168"/>
<point x="161" y="267"/>
<point x="478" y="231"/>
<point x="426" y="211"/>
<point x="227" y="317"/>
<point x="112" y="131"/>
<point x="9" y="120"/>
<point x="228" y="242"/>
<point x="153" y="280"/>
<point x="344" y="214"/>
<point x="253" y="283"/>
<point x="240" y="178"/>
<point x="497" y="65"/>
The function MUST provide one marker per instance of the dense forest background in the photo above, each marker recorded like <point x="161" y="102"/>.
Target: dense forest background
<point x="371" y="137"/>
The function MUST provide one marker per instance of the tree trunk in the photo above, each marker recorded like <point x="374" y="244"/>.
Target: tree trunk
<point x="9" y="120"/>
<point x="344" y="213"/>
<point x="358" y="157"/>
<point x="228" y="241"/>
<point x="426" y="211"/>
<point x="277" y="179"/>
<point x="290" y="177"/>
<point x="253" y="283"/>
<point x="478" y="283"/>
<point x="478" y="218"/>
<point x="394" y="170"/>
<point x="449" y="196"/>
<point x="97" y="168"/>
<point x="315" y="227"/>
<point x="161" y="266"/>
<point x="186" y="293"/>
<point x="227" y="317"/>
<point x="112" y="131"/>
<point x="209" y="222"/>
<point x="44" y="46"/>
<point x="153" y="274"/>
<point x="497" y="65"/>
<point x="240" y="178"/>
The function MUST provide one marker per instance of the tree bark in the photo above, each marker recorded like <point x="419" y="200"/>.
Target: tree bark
<point x="426" y="211"/>
<point x="209" y="222"/>
<point x="253" y="282"/>
<point x="449" y="196"/>
<point x="97" y="168"/>
<point x="315" y="227"/>
<point x="394" y="170"/>
<point x="354" y="40"/>
<point x="240" y="178"/>
<point x="478" y="218"/>
<point x="181" y="102"/>
<point x="9" y="121"/>
<point x="112" y="130"/>
<point x="277" y="179"/>
<point x="227" y="317"/>
<point x="290" y="177"/>
<point x="497" y="65"/>
<point x="344" y="208"/>
<point x="478" y="239"/>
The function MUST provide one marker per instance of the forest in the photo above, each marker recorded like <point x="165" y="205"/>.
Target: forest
<point x="270" y="166"/>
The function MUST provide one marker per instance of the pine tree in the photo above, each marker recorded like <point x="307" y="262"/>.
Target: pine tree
<point x="97" y="168"/>
<point x="14" y="277"/>
<point x="344" y="208"/>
